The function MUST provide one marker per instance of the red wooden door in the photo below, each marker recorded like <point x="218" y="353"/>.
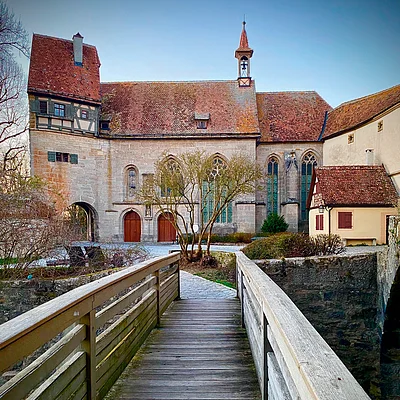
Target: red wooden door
<point x="132" y="227"/>
<point x="166" y="231"/>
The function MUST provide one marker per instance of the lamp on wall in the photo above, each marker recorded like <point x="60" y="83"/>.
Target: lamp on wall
<point x="321" y="209"/>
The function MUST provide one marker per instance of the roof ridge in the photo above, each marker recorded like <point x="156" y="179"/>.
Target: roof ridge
<point x="291" y="91"/>
<point x="61" y="39"/>
<point x="365" y="97"/>
<point x="194" y="81"/>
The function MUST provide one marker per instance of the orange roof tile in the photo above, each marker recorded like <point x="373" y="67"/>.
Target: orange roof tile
<point x="291" y="116"/>
<point x="145" y="108"/>
<point x="353" y="113"/>
<point x="52" y="70"/>
<point x="361" y="185"/>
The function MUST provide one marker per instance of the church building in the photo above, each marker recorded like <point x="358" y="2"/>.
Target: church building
<point x="98" y="141"/>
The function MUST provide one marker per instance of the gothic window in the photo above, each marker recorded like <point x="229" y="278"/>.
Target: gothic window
<point x="172" y="181"/>
<point x="131" y="182"/>
<point x="308" y="164"/>
<point x="213" y="195"/>
<point x="272" y="186"/>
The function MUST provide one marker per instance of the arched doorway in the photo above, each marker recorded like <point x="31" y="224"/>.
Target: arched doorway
<point x="83" y="219"/>
<point x="166" y="231"/>
<point x="132" y="227"/>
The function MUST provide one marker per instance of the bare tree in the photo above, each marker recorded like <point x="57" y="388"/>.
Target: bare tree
<point x="186" y="185"/>
<point x="13" y="104"/>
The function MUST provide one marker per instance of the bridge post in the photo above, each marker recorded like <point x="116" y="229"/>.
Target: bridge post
<point x="266" y="349"/>
<point x="241" y="300"/>
<point x="89" y="346"/>
<point x="158" y="288"/>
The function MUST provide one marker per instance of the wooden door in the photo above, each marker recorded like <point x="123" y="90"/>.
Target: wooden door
<point x="166" y="231"/>
<point x="132" y="227"/>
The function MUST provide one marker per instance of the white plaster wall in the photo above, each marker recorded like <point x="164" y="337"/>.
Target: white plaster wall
<point x="386" y="146"/>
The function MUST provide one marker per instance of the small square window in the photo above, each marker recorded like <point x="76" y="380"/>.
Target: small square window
<point x="43" y="107"/>
<point x="201" y="124"/>
<point x="84" y="114"/>
<point x="380" y="126"/>
<point x="59" y="110"/>
<point x="105" y="125"/>
<point x="350" y="138"/>
<point x="65" y="157"/>
<point x="58" y="156"/>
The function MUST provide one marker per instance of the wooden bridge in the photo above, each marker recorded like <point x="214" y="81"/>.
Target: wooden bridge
<point x="198" y="349"/>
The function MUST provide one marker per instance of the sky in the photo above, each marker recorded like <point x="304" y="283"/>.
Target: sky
<point x="343" y="49"/>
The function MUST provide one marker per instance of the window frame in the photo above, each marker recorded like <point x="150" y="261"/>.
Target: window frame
<point x="345" y="220"/>
<point x="59" y="110"/>
<point x="319" y="222"/>
<point x="46" y="105"/>
<point x="85" y="114"/>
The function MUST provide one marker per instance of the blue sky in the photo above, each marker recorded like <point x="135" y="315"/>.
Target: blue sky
<point x="343" y="49"/>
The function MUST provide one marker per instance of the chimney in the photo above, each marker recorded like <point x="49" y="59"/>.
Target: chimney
<point x="369" y="156"/>
<point x="78" y="52"/>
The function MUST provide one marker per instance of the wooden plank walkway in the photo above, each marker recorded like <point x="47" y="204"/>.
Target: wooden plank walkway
<point x="199" y="352"/>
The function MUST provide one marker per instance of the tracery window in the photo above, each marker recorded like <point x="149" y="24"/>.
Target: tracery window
<point x="131" y="182"/>
<point x="309" y="162"/>
<point x="213" y="195"/>
<point x="172" y="181"/>
<point x="272" y="185"/>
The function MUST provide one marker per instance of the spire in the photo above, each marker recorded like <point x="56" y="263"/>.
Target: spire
<point x="243" y="54"/>
<point x="244" y="43"/>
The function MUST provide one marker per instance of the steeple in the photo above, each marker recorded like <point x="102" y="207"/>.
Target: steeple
<point x="243" y="54"/>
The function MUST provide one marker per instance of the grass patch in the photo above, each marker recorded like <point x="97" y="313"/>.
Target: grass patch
<point x="223" y="269"/>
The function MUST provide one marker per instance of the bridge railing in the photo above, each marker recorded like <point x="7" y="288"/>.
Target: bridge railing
<point x="98" y="328"/>
<point x="292" y="360"/>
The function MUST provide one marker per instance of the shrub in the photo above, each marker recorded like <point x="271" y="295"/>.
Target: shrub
<point x="274" y="223"/>
<point x="269" y="247"/>
<point x="328" y="244"/>
<point x="293" y="245"/>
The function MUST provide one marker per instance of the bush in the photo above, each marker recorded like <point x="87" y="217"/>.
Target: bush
<point x="293" y="245"/>
<point x="237" y="237"/>
<point x="274" y="223"/>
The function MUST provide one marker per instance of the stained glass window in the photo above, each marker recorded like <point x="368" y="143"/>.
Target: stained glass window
<point x="308" y="164"/>
<point x="272" y="186"/>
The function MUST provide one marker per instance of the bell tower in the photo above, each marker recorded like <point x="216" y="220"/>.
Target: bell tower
<point x="243" y="54"/>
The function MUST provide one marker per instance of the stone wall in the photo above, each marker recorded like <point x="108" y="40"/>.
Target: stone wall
<point x="19" y="296"/>
<point x="338" y="295"/>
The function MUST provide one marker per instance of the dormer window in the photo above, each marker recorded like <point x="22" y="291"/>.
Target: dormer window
<point x="201" y="120"/>
<point x="201" y="124"/>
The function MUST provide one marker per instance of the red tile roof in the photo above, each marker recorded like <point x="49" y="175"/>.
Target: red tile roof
<point x="353" y="113"/>
<point x="52" y="70"/>
<point x="244" y="43"/>
<point x="291" y="116"/>
<point x="145" y="108"/>
<point x="360" y="185"/>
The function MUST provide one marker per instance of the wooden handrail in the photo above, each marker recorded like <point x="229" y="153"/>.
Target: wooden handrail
<point x="292" y="360"/>
<point x="150" y="285"/>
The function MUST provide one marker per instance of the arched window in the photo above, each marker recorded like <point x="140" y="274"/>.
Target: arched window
<point x="213" y="195"/>
<point x="131" y="182"/>
<point x="272" y="186"/>
<point x="244" y="66"/>
<point x="308" y="163"/>
<point x="171" y="179"/>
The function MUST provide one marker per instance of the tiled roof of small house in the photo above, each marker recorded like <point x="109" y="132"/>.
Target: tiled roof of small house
<point x="145" y="108"/>
<point x="353" y="113"/>
<point x="53" y="71"/>
<point x="361" y="185"/>
<point x="291" y="116"/>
